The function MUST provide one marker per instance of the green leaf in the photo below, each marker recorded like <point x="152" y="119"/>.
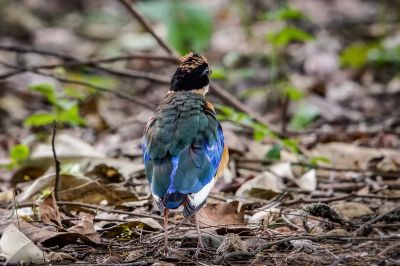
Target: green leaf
<point x="19" y="152"/>
<point x="291" y="144"/>
<point x="65" y="104"/>
<point x="260" y="131"/>
<point x="71" y="116"/>
<point x="39" y="119"/>
<point x="293" y="93"/>
<point x="274" y="153"/>
<point x="288" y="35"/>
<point x="285" y="13"/>
<point x="47" y="90"/>
<point x="304" y="116"/>
<point x="315" y="160"/>
<point x="95" y="80"/>
<point x="218" y="73"/>
<point x="356" y="55"/>
<point x="381" y="56"/>
<point x="189" y="27"/>
<point x="76" y="94"/>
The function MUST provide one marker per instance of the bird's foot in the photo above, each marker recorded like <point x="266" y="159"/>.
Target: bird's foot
<point x="165" y="251"/>
<point x="200" y="248"/>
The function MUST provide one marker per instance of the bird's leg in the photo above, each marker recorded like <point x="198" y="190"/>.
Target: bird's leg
<point x="200" y="242"/>
<point x="166" y="231"/>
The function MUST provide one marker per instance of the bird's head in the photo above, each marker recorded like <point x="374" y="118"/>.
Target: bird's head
<point x="192" y="74"/>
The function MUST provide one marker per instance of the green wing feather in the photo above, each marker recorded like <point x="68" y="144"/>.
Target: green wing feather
<point x="178" y="120"/>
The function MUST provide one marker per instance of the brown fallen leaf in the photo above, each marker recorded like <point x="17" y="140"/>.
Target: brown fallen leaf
<point x="63" y="239"/>
<point x="351" y="210"/>
<point x="106" y="174"/>
<point x="27" y="173"/>
<point x="131" y="229"/>
<point x="48" y="210"/>
<point x="85" y="227"/>
<point x="79" y="189"/>
<point x="222" y="214"/>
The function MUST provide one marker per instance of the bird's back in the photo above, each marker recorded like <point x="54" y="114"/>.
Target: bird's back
<point x="183" y="147"/>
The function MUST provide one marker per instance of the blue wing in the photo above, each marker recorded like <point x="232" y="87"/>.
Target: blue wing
<point x="191" y="171"/>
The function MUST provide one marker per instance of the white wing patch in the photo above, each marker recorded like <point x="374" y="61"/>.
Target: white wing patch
<point x="198" y="198"/>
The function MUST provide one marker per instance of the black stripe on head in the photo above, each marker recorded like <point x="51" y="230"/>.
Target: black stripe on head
<point x="192" y="73"/>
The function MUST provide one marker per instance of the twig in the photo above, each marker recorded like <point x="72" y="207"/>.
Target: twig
<point x="386" y="226"/>
<point x="228" y="98"/>
<point x="27" y="49"/>
<point x="264" y="162"/>
<point x="16" y="210"/>
<point x="389" y="249"/>
<point x="349" y="196"/>
<point x="86" y="84"/>
<point x="10" y="74"/>
<point x="327" y="168"/>
<point x="217" y="90"/>
<point x="96" y="207"/>
<point x="132" y="10"/>
<point x="57" y="163"/>
<point x="285" y="107"/>
<point x="374" y="220"/>
<point x="96" y="62"/>
<point x="134" y="74"/>
<point x="324" y="237"/>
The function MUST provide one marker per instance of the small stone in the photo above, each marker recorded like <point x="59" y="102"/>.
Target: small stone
<point x="232" y="243"/>
<point x="337" y="232"/>
<point x="352" y="210"/>
<point x="133" y="255"/>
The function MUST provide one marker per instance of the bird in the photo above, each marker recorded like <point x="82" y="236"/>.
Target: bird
<point x="183" y="145"/>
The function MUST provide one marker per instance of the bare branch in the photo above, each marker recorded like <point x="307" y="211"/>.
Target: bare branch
<point x="224" y="95"/>
<point x="132" y="10"/>
<point x="86" y="84"/>
<point x="57" y="163"/>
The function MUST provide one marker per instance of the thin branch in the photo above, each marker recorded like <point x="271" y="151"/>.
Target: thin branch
<point x="330" y="199"/>
<point x="217" y="90"/>
<point x="95" y="62"/>
<point x="132" y="10"/>
<point x="374" y="220"/>
<point x="86" y="84"/>
<point x="27" y="49"/>
<point x="73" y="60"/>
<point x="16" y="209"/>
<point x="321" y="167"/>
<point x="10" y="74"/>
<point x="135" y="74"/>
<point x="389" y="249"/>
<point x="285" y="107"/>
<point x="322" y="238"/>
<point x="97" y="207"/>
<point x="57" y="163"/>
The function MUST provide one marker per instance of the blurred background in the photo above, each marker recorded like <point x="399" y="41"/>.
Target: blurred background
<point x="318" y="84"/>
<point x="303" y="65"/>
<point x="311" y="71"/>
